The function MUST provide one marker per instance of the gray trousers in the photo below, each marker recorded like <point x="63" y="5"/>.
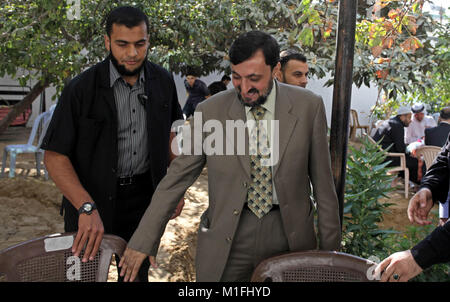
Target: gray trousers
<point x="254" y="240"/>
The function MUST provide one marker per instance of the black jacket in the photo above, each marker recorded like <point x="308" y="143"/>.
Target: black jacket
<point x="392" y="136"/>
<point x="437" y="136"/>
<point x="392" y="132"/>
<point x="435" y="248"/>
<point x="84" y="128"/>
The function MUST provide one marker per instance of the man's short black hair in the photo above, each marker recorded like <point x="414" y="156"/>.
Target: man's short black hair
<point x="290" y="54"/>
<point x="445" y="113"/>
<point x="125" y="15"/>
<point x="247" y="44"/>
<point x="225" y="78"/>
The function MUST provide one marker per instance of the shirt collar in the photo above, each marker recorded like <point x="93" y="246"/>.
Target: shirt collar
<point x="114" y="75"/>
<point x="269" y="105"/>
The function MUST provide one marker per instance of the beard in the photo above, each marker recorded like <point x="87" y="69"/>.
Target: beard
<point x="122" y="69"/>
<point x="260" y="100"/>
<point x="404" y="122"/>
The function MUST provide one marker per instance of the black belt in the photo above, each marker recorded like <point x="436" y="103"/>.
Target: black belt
<point x="129" y="180"/>
<point x="274" y="207"/>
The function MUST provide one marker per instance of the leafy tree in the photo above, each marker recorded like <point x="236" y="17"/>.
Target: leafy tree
<point x="394" y="49"/>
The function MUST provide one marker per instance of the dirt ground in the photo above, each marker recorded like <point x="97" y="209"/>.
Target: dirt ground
<point x="30" y="208"/>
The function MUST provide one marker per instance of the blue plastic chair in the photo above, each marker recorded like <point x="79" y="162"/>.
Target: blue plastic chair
<point x="13" y="150"/>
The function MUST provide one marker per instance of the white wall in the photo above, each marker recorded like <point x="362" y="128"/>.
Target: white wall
<point x="362" y="99"/>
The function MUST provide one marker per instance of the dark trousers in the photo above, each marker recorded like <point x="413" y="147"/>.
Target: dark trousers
<point x="131" y="202"/>
<point x="189" y="109"/>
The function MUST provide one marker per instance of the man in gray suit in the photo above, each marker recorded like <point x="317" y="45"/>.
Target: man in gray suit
<point x="257" y="208"/>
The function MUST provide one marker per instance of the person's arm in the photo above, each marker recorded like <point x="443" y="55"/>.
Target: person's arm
<point x="323" y="186"/>
<point x="59" y="143"/>
<point x="182" y="173"/>
<point x="434" y="248"/>
<point x="172" y="156"/>
<point x="90" y="227"/>
<point x="405" y="265"/>
<point x="437" y="177"/>
<point x="398" y="132"/>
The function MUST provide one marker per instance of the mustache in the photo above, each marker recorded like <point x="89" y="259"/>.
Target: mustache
<point x="252" y="90"/>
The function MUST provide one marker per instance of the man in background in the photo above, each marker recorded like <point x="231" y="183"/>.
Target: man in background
<point x="294" y="68"/>
<point x="107" y="146"/>
<point x="218" y="86"/>
<point x="437" y="136"/>
<point x="392" y="132"/>
<point x="197" y="92"/>
<point x="420" y="121"/>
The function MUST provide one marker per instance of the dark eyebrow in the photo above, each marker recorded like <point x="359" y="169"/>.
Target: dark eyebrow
<point x="127" y="42"/>
<point x="247" y="76"/>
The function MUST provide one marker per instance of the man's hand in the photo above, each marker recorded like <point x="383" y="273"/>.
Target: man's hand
<point x="178" y="209"/>
<point x="130" y="263"/>
<point x="399" y="267"/>
<point x="419" y="207"/>
<point x="90" y="230"/>
<point x="442" y="221"/>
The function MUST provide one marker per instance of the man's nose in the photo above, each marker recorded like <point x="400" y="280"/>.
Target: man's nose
<point x="131" y="51"/>
<point x="305" y="80"/>
<point x="246" y="86"/>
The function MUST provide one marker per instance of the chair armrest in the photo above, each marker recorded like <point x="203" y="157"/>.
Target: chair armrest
<point x="401" y="155"/>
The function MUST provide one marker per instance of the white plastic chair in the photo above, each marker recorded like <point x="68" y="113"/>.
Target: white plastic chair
<point x="44" y="120"/>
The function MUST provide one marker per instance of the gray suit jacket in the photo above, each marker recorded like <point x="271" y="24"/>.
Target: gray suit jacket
<point x="303" y="157"/>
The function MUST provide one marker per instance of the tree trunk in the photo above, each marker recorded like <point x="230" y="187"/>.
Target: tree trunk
<point x="21" y="106"/>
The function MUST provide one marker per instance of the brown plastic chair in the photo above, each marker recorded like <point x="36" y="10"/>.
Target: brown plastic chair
<point x="314" y="266"/>
<point x="429" y="153"/>
<point x="50" y="259"/>
<point x="356" y="125"/>
<point x="402" y="166"/>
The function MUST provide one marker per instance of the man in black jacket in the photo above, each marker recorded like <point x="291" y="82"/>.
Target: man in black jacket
<point x="392" y="136"/>
<point x="107" y="146"/>
<point x="435" y="248"/>
<point x="437" y="136"/>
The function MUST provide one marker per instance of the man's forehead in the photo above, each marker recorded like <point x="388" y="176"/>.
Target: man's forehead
<point x="297" y="64"/>
<point x="123" y="31"/>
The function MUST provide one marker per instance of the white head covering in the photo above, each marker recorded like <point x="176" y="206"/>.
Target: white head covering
<point x="403" y="110"/>
<point x="416" y="108"/>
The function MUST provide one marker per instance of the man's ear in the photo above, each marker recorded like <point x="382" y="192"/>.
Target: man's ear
<point x="276" y="70"/>
<point x="107" y="43"/>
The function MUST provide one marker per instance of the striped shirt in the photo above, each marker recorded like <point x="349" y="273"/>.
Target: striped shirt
<point x="132" y="124"/>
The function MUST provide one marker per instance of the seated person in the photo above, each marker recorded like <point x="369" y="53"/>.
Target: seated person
<point x="392" y="135"/>
<point x="420" y="121"/>
<point x="437" y="136"/>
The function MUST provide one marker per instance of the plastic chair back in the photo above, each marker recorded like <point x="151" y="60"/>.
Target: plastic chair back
<point x="314" y="266"/>
<point x="429" y="154"/>
<point x="50" y="259"/>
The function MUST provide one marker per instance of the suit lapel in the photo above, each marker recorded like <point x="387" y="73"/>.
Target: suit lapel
<point x="237" y="112"/>
<point x="287" y="122"/>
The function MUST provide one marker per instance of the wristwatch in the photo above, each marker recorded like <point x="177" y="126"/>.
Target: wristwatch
<point x="87" y="208"/>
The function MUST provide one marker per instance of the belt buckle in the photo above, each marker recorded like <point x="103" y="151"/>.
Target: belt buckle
<point x="125" y="181"/>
